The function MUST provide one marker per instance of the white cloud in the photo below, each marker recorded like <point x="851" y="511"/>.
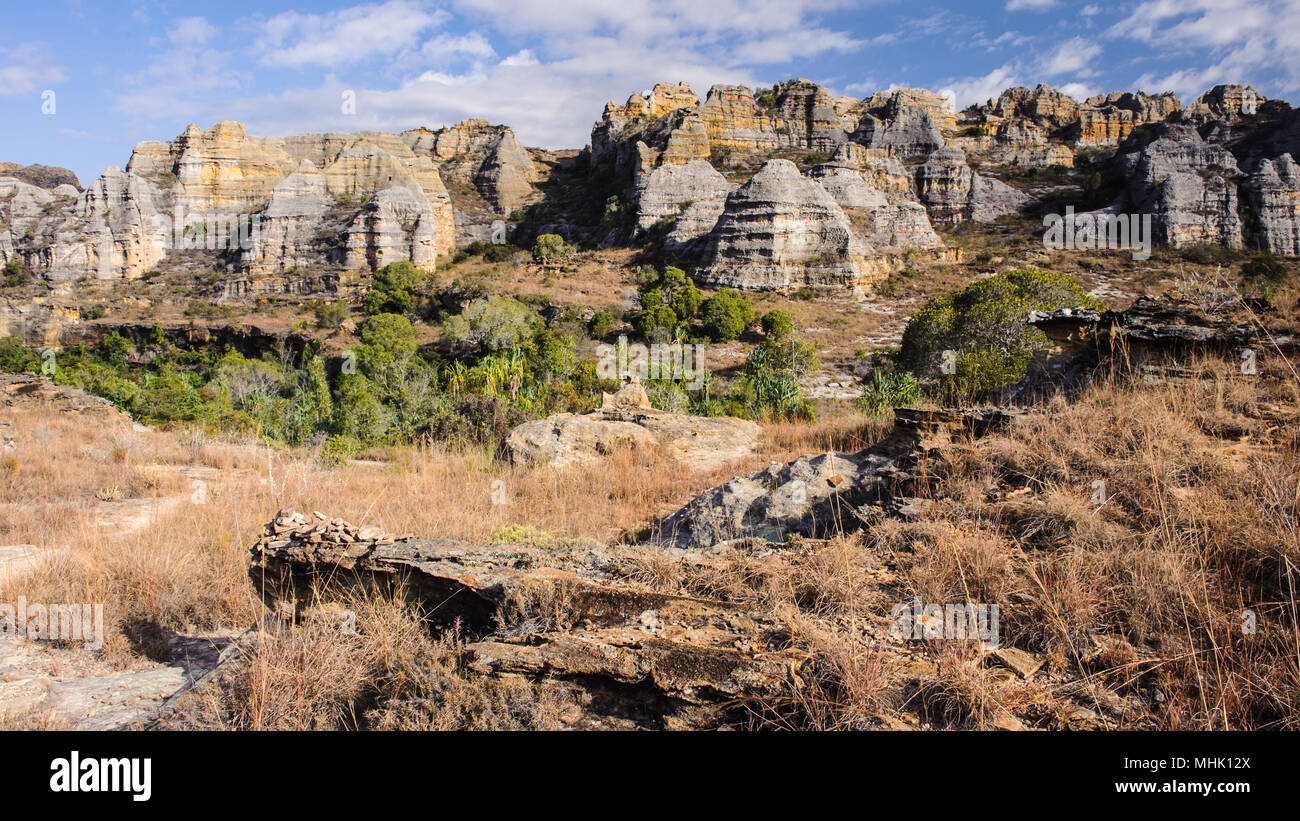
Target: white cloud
<point x="337" y="38"/>
<point x="1247" y="40"/>
<point x="523" y="58"/>
<point x="1079" y="91"/>
<point x="973" y="90"/>
<point x="26" y="68"/>
<point x="191" y="31"/>
<point x="1029" y="5"/>
<point x="472" y="45"/>
<point x="1074" y="56"/>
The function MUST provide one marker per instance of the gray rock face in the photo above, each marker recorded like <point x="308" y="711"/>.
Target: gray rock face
<point x="1189" y="186"/>
<point x="1225" y="103"/>
<point x="848" y="187"/>
<point x="507" y="173"/>
<point x="885" y="221"/>
<point x="781" y="230"/>
<point x="397" y="224"/>
<point x="943" y="183"/>
<point x="672" y="190"/>
<point x="991" y="198"/>
<point x="483" y="155"/>
<point x="1274" y="191"/>
<point x="318" y="195"/>
<point x="290" y="222"/>
<point x="909" y="132"/>
<point x="954" y="193"/>
<point x="112" y="230"/>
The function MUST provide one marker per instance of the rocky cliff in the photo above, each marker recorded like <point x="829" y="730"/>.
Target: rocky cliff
<point x="264" y="204"/>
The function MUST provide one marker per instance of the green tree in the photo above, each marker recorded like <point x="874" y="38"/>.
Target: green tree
<point x="331" y="315"/>
<point x="727" y="314"/>
<point x="392" y="289"/>
<point x="492" y="324"/>
<point x="979" y="337"/>
<point x="550" y="247"/>
<point x="777" y="324"/>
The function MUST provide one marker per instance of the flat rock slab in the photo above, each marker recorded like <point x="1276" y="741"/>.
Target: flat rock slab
<point x="702" y="442"/>
<point x="74" y="689"/>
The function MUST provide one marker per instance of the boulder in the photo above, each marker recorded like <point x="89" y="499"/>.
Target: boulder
<point x="627" y="420"/>
<point x="816" y="495"/>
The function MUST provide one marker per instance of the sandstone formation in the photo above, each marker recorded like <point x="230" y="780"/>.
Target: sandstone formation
<point x="900" y="130"/>
<point x="1274" y="192"/>
<point x="693" y="194"/>
<point x="816" y="495"/>
<point x="42" y="176"/>
<point x="1105" y="120"/>
<point x="676" y="661"/>
<point x="781" y="230"/>
<point x="627" y="420"/>
<point x="1188" y="185"/>
<point x="1225" y="103"/>
<point x="488" y="157"/>
<point x="349" y="200"/>
<point x="954" y="193"/>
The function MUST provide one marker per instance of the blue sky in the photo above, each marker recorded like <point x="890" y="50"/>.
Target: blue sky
<point x="123" y="72"/>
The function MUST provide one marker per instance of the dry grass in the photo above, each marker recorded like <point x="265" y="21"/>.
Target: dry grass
<point x="1137" y="604"/>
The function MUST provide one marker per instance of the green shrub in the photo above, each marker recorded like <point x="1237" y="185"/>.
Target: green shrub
<point x="550" y="247"/>
<point x="727" y="314"/>
<point x="15" y="272"/>
<point x="500" y="253"/>
<point x="492" y="324"/>
<point x="981" y="332"/>
<point x="889" y="390"/>
<point x="331" y="315"/>
<point x="777" y="324"/>
<point x="1264" y="268"/>
<point x="338" y="449"/>
<point x="392" y="289"/>
<point x="601" y="324"/>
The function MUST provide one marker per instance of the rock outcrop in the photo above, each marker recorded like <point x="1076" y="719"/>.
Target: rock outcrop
<point x="42" y="176"/>
<point x="816" y="495"/>
<point x="350" y="200"/>
<point x="954" y="193"/>
<point x="1106" y="120"/>
<point x="627" y="420"/>
<point x="781" y="230"/>
<point x="1224" y="103"/>
<point x="483" y="155"/>
<point x="1188" y="185"/>
<point x="692" y="195"/>
<point x="1274" y="192"/>
<point x="551" y="612"/>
